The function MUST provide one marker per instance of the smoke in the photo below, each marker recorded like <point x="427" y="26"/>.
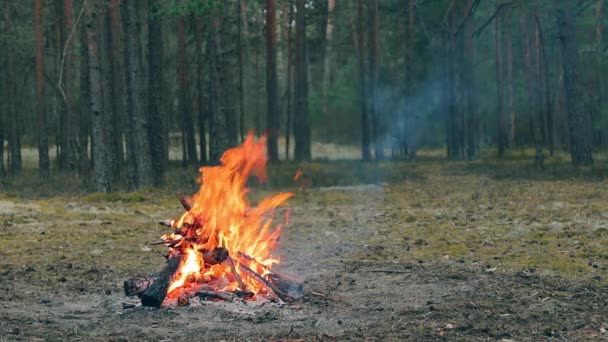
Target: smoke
<point x="410" y="121"/>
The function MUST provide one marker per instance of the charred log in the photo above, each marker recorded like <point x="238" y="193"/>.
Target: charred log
<point x="156" y="293"/>
<point x="137" y="286"/>
<point x="227" y="296"/>
<point x="269" y="286"/>
<point x="215" y="256"/>
<point x="186" y="203"/>
<point x="291" y="286"/>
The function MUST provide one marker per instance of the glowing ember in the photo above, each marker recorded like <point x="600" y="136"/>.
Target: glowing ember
<point x="221" y="220"/>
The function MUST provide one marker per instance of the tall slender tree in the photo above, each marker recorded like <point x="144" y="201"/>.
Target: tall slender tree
<point x="156" y="128"/>
<point x="43" y="142"/>
<point x="272" y="118"/>
<point x="360" y="42"/>
<point x="184" y="101"/>
<point x="301" y="119"/>
<point x="84" y="113"/>
<point x="289" y="81"/>
<point x="372" y="64"/>
<point x="66" y="84"/>
<point x="579" y="119"/>
<point x="327" y="54"/>
<point x="202" y="94"/>
<point x="136" y="100"/>
<point x="502" y="120"/>
<point x="101" y="163"/>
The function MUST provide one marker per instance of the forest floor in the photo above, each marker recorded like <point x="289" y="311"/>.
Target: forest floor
<point x="397" y="250"/>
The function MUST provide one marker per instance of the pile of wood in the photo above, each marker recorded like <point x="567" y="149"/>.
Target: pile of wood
<point x="153" y="288"/>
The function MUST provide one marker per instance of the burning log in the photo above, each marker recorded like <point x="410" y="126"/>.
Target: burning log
<point x="157" y="291"/>
<point x="242" y="285"/>
<point x="269" y="286"/>
<point x="215" y="256"/>
<point x="186" y="203"/>
<point x="289" y="285"/>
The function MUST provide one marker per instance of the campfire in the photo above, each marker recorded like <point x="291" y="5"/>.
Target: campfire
<point x="220" y="248"/>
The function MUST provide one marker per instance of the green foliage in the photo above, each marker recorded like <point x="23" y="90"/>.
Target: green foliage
<point x="177" y="8"/>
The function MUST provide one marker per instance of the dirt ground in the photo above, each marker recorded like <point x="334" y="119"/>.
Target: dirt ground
<point x="452" y="254"/>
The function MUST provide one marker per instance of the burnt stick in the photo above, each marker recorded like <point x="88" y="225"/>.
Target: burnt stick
<point x="186" y="203"/>
<point x="282" y="295"/>
<point x="156" y="293"/>
<point x="242" y="285"/>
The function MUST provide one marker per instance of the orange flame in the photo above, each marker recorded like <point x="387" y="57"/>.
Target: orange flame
<point x="221" y="216"/>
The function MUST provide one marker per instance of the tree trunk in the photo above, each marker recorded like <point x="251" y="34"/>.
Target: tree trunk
<point x="272" y="118"/>
<point x="242" y="38"/>
<point x="136" y="94"/>
<point x="229" y="70"/>
<point x="202" y="95"/>
<point x="301" y="119"/>
<point x="219" y="137"/>
<point x="408" y="138"/>
<point x="599" y="77"/>
<point x="94" y="24"/>
<point x="579" y="120"/>
<point x="289" y="73"/>
<point x="43" y="140"/>
<point x="545" y="87"/>
<point x="118" y="82"/>
<point x="13" y="125"/>
<point x="532" y="80"/>
<point x="509" y="111"/>
<point x="183" y="90"/>
<point x="84" y="116"/>
<point x="327" y="57"/>
<point x="372" y="56"/>
<point x="157" y="124"/>
<point x="470" y="88"/>
<point x="360" y="42"/>
<point x="110" y="95"/>
<point x="502" y="122"/>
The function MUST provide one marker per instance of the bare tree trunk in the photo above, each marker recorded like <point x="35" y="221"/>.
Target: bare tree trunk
<point x="544" y="88"/>
<point x="242" y="36"/>
<point x="136" y="94"/>
<point x="502" y="122"/>
<point x="327" y="58"/>
<point x="289" y="72"/>
<point x="229" y="70"/>
<point x="579" y="120"/>
<point x="118" y="83"/>
<point x="532" y="78"/>
<point x="84" y="116"/>
<point x="599" y="77"/>
<point x="183" y="89"/>
<point x="470" y="88"/>
<point x="202" y="95"/>
<point x="272" y="118"/>
<point x="43" y="142"/>
<point x="372" y="56"/>
<point x="409" y="136"/>
<point x="68" y="135"/>
<point x="301" y="119"/>
<point x="112" y="125"/>
<point x="220" y="137"/>
<point x="510" y="98"/>
<point x="157" y="125"/>
<point x="101" y="163"/>
<point x="13" y="125"/>
<point x="360" y="45"/>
